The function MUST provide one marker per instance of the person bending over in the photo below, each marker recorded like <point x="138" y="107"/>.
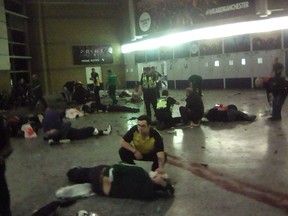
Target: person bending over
<point x="143" y="142"/>
<point x="55" y="128"/>
<point x="164" y="111"/>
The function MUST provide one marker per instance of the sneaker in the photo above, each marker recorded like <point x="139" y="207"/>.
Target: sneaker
<point x="52" y="142"/>
<point x="86" y="213"/>
<point x="108" y="130"/>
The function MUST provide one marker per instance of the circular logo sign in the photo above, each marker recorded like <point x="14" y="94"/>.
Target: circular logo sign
<point x="145" y="21"/>
<point x="194" y="48"/>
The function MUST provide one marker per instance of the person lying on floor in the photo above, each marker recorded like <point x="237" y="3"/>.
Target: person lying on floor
<point x="227" y="113"/>
<point x="119" y="180"/>
<point x="55" y="128"/>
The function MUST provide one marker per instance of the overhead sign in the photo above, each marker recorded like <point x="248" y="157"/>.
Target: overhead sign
<point x="102" y="54"/>
<point x="163" y="15"/>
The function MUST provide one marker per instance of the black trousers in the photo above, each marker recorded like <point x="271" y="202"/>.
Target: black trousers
<point x="128" y="157"/>
<point x="4" y="193"/>
<point x="150" y="98"/>
<point x="189" y="115"/>
<point x="278" y="101"/>
<point x="97" y="95"/>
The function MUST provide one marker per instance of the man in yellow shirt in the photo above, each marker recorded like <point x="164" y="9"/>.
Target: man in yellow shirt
<point x="143" y="142"/>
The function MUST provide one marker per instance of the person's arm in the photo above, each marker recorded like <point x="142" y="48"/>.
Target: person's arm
<point x="161" y="162"/>
<point x="127" y="146"/>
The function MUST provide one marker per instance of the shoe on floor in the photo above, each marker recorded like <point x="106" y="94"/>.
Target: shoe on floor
<point x="86" y="213"/>
<point x="108" y="130"/>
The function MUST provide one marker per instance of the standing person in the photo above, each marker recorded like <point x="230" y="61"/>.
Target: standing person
<point x="96" y="82"/>
<point x="55" y="128"/>
<point x="194" y="109"/>
<point x="111" y="85"/>
<point x="277" y="67"/>
<point x="159" y="81"/>
<point x="195" y="82"/>
<point x="278" y="87"/>
<point x="144" y="143"/>
<point x="148" y="85"/>
<point x="164" y="111"/>
<point x="5" y="151"/>
<point x="37" y="92"/>
<point x="69" y="88"/>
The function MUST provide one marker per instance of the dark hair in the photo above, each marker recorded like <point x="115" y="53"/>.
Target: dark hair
<point x="109" y="70"/>
<point x="145" y="118"/>
<point x="165" y="93"/>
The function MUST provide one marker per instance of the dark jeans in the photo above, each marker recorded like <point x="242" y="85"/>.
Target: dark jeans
<point x="189" y="115"/>
<point x="236" y="115"/>
<point x="278" y="101"/>
<point x="91" y="175"/>
<point x="150" y="97"/>
<point x="68" y="132"/>
<point x="38" y="96"/>
<point x="128" y="157"/>
<point x="165" y="119"/>
<point x="97" y="95"/>
<point x="112" y="94"/>
<point x="81" y="133"/>
<point x="4" y="193"/>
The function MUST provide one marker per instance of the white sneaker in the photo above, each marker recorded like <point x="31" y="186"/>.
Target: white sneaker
<point x="108" y="130"/>
<point x="86" y="213"/>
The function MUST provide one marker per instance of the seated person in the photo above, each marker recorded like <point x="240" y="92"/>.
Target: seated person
<point x="136" y="94"/>
<point x="164" y="111"/>
<point x="56" y="129"/>
<point x="143" y="142"/>
<point x="121" y="181"/>
<point x="227" y="114"/>
<point x="193" y="112"/>
<point x="80" y="95"/>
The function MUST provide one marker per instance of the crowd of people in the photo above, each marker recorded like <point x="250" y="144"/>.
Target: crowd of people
<point x="141" y="142"/>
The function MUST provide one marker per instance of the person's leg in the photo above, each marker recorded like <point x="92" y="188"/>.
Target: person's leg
<point x="79" y="175"/>
<point x="126" y="156"/>
<point x="97" y="96"/>
<point x="184" y="114"/>
<point x="112" y="94"/>
<point x="85" y="132"/>
<point x="4" y="193"/>
<point x="152" y="157"/>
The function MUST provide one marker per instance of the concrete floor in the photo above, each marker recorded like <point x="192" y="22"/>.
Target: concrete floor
<point x="225" y="169"/>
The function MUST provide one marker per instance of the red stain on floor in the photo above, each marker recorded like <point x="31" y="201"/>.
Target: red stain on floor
<point x="257" y="192"/>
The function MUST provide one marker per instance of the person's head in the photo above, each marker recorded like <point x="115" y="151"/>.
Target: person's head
<point x="276" y="60"/>
<point x="34" y="76"/>
<point x="109" y="71"/>
<point x="165" y="93"/>
<point x="143" y="124"/>
<point x="21" y="81"/>
<point x="188" y="91"/>
<point x="93" y="73"/>
<point x="147" y="70"/>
